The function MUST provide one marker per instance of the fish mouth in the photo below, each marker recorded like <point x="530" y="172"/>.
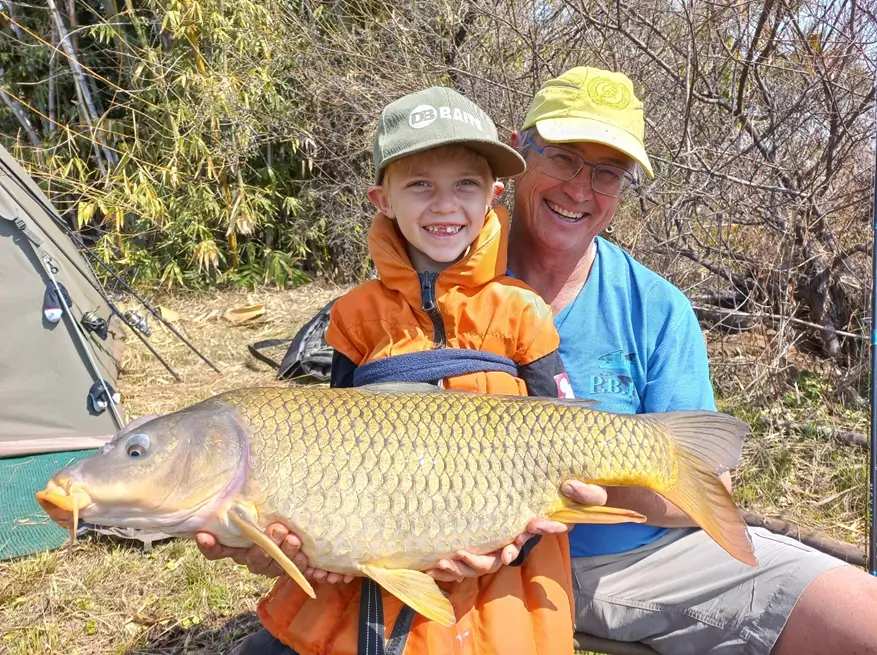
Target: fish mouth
<point x="63" y="502"/>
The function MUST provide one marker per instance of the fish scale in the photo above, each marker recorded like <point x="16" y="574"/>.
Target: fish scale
<point x="387" y="480"/>
<point x="502" y="459"/>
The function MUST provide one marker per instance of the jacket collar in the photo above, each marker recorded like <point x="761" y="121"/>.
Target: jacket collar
<point x="485" y="259"/>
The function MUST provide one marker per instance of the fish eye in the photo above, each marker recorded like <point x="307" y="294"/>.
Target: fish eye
<point x="137" y="445"/>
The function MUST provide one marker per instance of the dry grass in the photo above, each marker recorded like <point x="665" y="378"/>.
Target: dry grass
<point x="107" y="596"/>
<point x="148" y="388"/>
<point x="797" y="475"/>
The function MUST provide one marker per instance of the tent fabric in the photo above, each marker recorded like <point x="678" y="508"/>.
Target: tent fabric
<point x="45" y="374"/>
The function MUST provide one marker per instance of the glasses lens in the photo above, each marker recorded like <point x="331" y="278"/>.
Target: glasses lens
<point x="610" y="180"/>
<point x="561" y="164"/>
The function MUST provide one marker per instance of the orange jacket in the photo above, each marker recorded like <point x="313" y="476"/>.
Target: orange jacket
<point x="525" y="609"/>
<point x="477" y="307"/>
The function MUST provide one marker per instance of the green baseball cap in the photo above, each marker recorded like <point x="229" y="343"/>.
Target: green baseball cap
<point x="439" y="116"/>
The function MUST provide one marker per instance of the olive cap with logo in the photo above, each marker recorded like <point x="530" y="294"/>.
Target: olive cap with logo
<point x="439" y="116"/>
<point x="592" y="105"/>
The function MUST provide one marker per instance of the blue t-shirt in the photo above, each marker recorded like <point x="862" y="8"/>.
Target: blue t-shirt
<point x="631" y="341"/>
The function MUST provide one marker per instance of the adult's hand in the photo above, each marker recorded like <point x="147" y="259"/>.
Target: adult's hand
<point x="259" y="562"/>
<point x="468" y="565"/>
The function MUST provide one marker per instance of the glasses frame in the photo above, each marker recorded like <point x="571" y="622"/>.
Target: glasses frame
<point x="625" y="173"/>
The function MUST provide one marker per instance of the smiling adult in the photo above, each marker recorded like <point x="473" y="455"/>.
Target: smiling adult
<point x="630" y="340"/>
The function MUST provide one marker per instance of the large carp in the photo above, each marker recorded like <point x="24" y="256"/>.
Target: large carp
<point x="384" y="481"/>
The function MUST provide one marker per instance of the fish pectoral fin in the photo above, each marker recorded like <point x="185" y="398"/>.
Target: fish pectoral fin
<point x="416" y="589"/>
<point x="574" y="513"/>
<point x="425" y="387"/>
<point x="402" y="387"/>
<point x="251" y="531"/>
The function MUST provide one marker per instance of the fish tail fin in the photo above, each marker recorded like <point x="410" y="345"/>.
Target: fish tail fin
<point x="708" y="444"/>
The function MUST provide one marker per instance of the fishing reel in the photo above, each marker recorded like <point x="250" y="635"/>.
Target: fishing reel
<point x="94" y="323"/>
<point x="137" y="320"/>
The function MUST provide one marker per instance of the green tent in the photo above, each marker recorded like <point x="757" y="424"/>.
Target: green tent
<point x="46" y="369"/>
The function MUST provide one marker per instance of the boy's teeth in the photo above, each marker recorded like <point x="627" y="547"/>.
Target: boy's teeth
<point x="444" y="229"/>
<point x="563" y="212"/>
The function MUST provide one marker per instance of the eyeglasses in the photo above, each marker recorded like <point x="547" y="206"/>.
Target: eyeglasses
<point x="565" y="165"/>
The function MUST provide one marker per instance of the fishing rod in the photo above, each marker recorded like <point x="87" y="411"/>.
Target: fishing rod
<point x="97" y="288"/>
<point x="145" y="304"/>
<point x="81" y="244"/>
<point x="49" y="265"/>
<point x="136" y="331"/>
<point x="872" y="475"/>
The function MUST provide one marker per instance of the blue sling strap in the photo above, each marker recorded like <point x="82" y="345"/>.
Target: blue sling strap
<point x="431" y="365"/>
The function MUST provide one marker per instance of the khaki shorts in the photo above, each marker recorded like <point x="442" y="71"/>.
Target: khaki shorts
<point x="683" y="595"/>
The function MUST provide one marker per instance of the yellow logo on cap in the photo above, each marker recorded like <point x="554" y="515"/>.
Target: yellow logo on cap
<point x="608" y="93"/>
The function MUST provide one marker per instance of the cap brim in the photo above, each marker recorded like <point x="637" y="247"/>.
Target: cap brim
<point x="504" y="160"/>
<point x="572" y="129"/>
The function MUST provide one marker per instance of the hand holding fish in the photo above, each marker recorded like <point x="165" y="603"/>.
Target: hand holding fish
<point x="259" y="562"/>
<point x="466" y="565"/>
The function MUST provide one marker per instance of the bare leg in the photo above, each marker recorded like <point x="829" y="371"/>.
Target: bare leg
<point x="837" y="613"/>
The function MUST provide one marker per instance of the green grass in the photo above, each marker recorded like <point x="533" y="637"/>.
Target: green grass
<point x="106" y="596"/>
<point x="103" y="596"/>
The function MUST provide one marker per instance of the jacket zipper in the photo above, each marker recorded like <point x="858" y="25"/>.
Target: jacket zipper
<point x="427" y="295"/>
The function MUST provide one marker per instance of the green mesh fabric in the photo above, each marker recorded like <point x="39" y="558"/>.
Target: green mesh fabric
<point x="24" y="526"/>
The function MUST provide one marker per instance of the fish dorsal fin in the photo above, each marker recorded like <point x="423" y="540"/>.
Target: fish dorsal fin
<point x="240" y="517"/>
<point x="425" y="387"/>
<point x="581" y="403"/>
<point x="401" y="387"/>
<point x="416" y="589"/>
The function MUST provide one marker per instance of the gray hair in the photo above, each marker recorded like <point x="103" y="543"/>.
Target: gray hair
<point x="526" y="138"/>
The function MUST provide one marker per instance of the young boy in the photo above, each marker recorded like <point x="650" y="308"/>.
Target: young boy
<point x="441" y="254"/>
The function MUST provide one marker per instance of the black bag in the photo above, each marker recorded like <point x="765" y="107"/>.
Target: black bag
<point x="308" y="358"/>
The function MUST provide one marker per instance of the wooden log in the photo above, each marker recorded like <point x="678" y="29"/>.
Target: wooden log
<point x="840" y="549"/>
<point x="844" y="436"/>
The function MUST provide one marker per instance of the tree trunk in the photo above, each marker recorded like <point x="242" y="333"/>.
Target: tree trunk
<point x="10" y="7"/>
<point x="86" y="106"/>
<point x="53" y="118"/>
<point x="839" y="549"/>
<point x="20" y="114"/>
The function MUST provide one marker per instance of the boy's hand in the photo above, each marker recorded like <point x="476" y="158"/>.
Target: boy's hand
<point x="259" y="562"/>
<point x="467" y="565"/>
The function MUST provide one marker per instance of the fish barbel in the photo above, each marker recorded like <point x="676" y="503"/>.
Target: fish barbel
<point x="386" y="480"/>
